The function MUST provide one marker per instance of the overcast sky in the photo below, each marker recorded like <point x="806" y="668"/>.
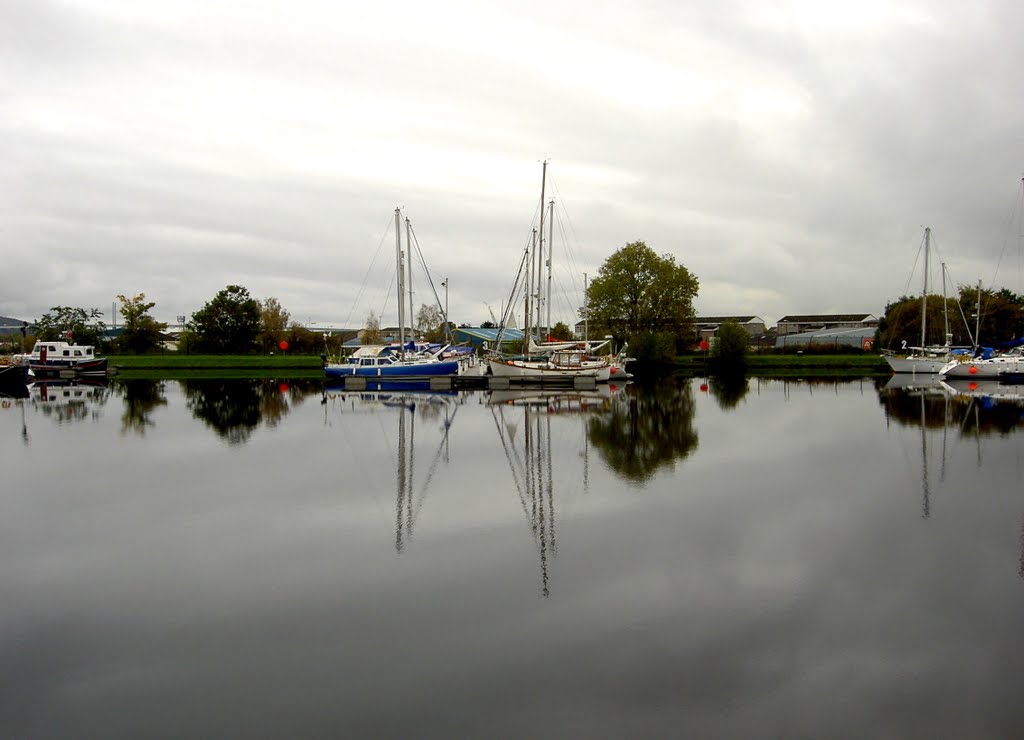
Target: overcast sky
<point x="787" y="153"/>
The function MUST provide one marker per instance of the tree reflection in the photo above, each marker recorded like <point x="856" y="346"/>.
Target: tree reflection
<point x="729" y="389"/>
<point x="651" y="429"/>
<point x="977" y="411"/>
<point x="141" y="398"/>
<point x="234" y="407"/>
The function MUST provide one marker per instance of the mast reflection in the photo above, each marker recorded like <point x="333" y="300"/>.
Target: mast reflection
<point x="525" y="421"/>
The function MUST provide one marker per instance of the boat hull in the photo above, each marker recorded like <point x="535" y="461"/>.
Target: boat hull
<point x="542" y="371"/>
<point x="93" y="367"/>
<point x="393" y="372"/>
<point x="917" y="365"/>
<point x="992" y="368"/>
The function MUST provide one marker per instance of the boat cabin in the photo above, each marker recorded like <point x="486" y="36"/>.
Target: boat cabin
<point x="45" y="351"/>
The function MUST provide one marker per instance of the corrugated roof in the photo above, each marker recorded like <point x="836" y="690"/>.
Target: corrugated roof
<point x="490" y="335"/>
<point x="825" y="318"/>
<point x="722" y="319"/>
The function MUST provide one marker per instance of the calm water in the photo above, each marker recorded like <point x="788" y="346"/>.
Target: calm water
<point x="263" y="559"/>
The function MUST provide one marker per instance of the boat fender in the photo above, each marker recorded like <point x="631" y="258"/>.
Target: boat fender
<point x="7" y="404"/>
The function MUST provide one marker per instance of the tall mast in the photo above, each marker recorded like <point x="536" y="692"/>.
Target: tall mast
<point x="540" y="251"/>
<point x="924" y="290"/>
<point x="945" y="309"/>
<point x="528" y="305"/>
<point x="401" y="282"/>
<point x="551" y="230"/>
<point x="408" y="249"/>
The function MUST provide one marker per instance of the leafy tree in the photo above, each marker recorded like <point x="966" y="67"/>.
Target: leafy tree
<point x="729" y="355"/>
<point x="1002" y="318"/>
<point x="653" y="347"/>
<point x="561" y="330"/>
<point x="1002" y="313"/>
<point x="273" y="324"/>
<point x="141" y="331"/>
<point x="430" y="323"/>
<point x="83" y="324"/>
<point x="638" y="291"/>
<point x="487" y="324"/>
<point x="901" y="323"/>
<point x="371" y="332"/>
<point x="229" y="323"/>
<point x="302" y="341"/>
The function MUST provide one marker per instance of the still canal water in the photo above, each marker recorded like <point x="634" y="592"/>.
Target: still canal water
<point x="253" y="558"/>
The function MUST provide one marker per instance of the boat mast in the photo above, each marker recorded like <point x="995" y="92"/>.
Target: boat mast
<point x="408" y="249"/>
<point x="586" y="310"/>
<point x="551" y="241"/>
<point x="401" y="283"/>
<point x="945" y="309"/>
<point x="540" y="251"/>
<point x="528" y="305"/>
<point x="924" y="290"/>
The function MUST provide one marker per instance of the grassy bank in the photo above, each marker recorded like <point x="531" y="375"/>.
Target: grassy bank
<point x="215" y="362"/>
<point x="171" y="367"/>
<point x="795" y="365"/>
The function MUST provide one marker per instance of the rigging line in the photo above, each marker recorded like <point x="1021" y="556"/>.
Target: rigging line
<point x="1015" y="215"/>
<point x="426" y="272"/>
<point x="512" y="465"/>
<point x="362" y="287"/>
<point x="510" y="307"/>
<point x="433" y="468"/>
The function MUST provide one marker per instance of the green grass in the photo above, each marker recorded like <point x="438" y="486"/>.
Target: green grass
<point x="794" y="365"/>
<point x="215" y="362"/>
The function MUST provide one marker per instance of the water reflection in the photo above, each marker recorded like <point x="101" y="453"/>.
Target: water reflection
<point x="972" y="408"/>
<point x="234" y="408"/>
<point x="728" y="390"/>
<point x="649" y="431"/>
<point x="141" y="399"/>
<point x="398" y="412"/>
<point x="69" y="401"/>
<point x="523" y="420"/>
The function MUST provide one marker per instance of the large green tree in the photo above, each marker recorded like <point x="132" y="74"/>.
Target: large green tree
<point x="229" y="323"/>
<point x="141" y="332"/>
<point x="636" y="292"/>
<point x="84" y="325"/>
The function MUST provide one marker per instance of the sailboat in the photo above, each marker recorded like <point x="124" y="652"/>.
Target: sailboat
<point x="558" y="362"/>
<point x="408" y="363"/>
<point x="924" y="359"/>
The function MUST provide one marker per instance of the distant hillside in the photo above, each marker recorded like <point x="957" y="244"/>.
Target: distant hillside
<point x="9" y="325"/>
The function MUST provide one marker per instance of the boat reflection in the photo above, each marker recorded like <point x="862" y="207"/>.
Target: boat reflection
<point x="969" y="409"/>
<point x="972" y="408"/>
<point x="527" y="421"/>
<point x="436" y="410"/>
<point x="69" y="401"/>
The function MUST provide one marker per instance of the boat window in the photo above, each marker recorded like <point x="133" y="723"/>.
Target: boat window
<point x="78" y="353"/>
<point x="67" y="353"/>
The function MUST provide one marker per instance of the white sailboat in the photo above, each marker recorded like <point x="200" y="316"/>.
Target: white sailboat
<point x="562" y="361"/>
<point x="924" y="359"/>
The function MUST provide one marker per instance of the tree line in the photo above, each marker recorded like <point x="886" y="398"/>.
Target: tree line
<point x="638" y="297"/>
